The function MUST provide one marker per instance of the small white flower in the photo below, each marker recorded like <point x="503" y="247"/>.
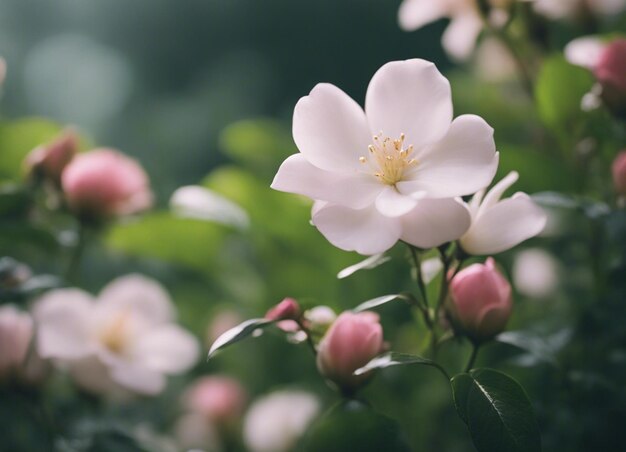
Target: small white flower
<point x="276" y="421"/>
<point x="498" y="225"/>
<point x="535" y="273"/>
<point x="465" y="22"/>
<point x="125" y="338"/>
<point x="585" y="51"/>
<point x="391" y="172"/>
<point x="562" y="9"/>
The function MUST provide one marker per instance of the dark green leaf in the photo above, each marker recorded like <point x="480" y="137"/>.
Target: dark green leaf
<point x="497" y="412"/>
<point x="379" y="301"/>
<point x="236" y="334"/>
<point x="394" y="359"/>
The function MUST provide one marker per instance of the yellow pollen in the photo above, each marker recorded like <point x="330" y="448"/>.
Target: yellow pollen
<point x="389" y="158"/>
<point x="114" y="336"/>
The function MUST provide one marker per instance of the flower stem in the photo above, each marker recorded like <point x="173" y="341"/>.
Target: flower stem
<point x="309" y="340"/>
<point x="76" y="254"/>
<point x="473" y="356"/>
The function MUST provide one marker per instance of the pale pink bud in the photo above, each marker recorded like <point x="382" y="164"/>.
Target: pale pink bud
<point x="481" y="300"/>
<point x="349" y="344"/>
<point x="610" y="71"/>
<point x="288" y="309"/>
<point x="48" y="161"/>
<point x="219" y="399"/>
<point x="105" y="183"/>
<point x="16" y="332"/>
<point x="619" y="173"/>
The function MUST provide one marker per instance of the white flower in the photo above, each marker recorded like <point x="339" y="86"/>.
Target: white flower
<point x="390" y="172"/>
<point x="535" y="273"/>
<point x="123" y="339"/>
<point x="276" y="421"/>
<point x="462" y="32"/>
<point x="561" y="9"/>
<point x="498" y="225"/>
<point x="585" y="51"/>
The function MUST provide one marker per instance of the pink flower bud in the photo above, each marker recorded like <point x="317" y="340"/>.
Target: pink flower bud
<point x="16" y="332"/>
<point x="288" y="309"/>
<point x="105" y="183"/>
<point x="350" y="343"/>
<point x="619" y="173"/>
<point x="49" y="161"/>
<point x="610" y="71"/>
<point x="481" y="300"/>
<point x="219" y="399"/>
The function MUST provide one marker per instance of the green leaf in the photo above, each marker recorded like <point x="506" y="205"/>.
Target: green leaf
<point x="259" y="144"/>
<point x="366" y="264"/>
<point x="161" y="235"/>
<point x="379" y="301"/>
<point x="497" y="412"/>
<point x="236" y="334"/>
<point x="18" y="138"/>
<point x="14" y="199"/>
<point x="559" y="91"/>
<point x="354" y="426"/>
<point x="395" y="359"/>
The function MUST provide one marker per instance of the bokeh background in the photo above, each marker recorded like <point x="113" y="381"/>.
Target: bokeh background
<point x="202" y="91"/>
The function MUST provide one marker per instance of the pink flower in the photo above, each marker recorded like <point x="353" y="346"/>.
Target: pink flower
<point x="16" y="332"/>
<point x="49" y="161"/>
<point x="350" y="343"/>
<point x="218" y="399"/>
<point x="105" y="183"/>
<point x="481" y="300"/>
<point x="619" y="173"/>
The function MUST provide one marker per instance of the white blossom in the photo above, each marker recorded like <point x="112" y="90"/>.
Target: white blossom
<point x="124" y="339"/>
<point x="390" y="172"/>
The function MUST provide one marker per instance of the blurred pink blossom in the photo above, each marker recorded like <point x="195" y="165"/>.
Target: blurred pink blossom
<point x="219" y="399"/>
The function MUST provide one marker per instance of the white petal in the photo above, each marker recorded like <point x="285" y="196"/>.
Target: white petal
<point x="139" y="295"/>
<point x="585" y="51"/>
<point x="392" y="204"/>
<point x="297" y="175"/>
<point x="496" y="192"/>
<point x="92" y="375"/>
<point x="434" y="222"/>
<point x="505" y="225"/>
<point x="461" y="163"/>
<point x="460" y="37"/>
<point x="330" y="129"/>
<point x="365" y="231"/>
<point x="138" y="379"/>
<point x="414" y="14"/>
<point x="169" y="349"/>
<point x="63" y="319"/>
<point x="410" y="97"/>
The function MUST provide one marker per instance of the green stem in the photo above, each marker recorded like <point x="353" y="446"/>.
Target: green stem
<point x="473" y="356"/>
<point x="309" y="340"/>
<point x="76" y="254"/>
<point x="423" y="306"/>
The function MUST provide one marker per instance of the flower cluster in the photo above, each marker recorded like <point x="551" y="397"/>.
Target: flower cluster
<point x="97" y="185"/>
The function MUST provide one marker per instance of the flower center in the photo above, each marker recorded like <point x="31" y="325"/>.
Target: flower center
<point x="115" y="334"/>
<point x="388" y="159"/>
